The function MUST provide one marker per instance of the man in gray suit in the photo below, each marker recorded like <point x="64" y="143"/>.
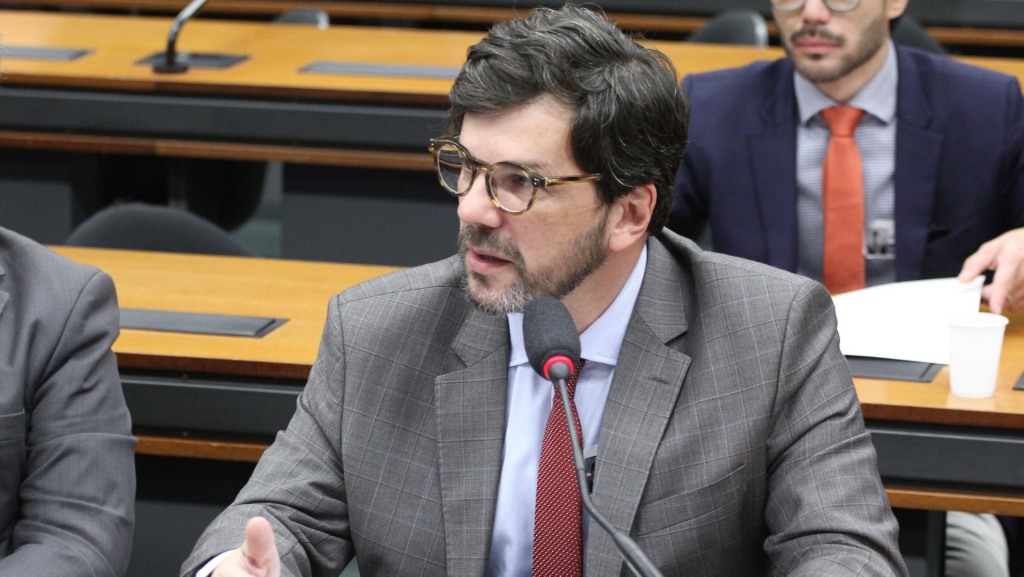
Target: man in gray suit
<point x="67" y="469"/>
<point x="719" y="413"/>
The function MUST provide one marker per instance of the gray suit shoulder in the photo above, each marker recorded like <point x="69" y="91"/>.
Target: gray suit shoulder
<point x="59" y="320"/>
<point x="442" y="276"/>
<point x="708" y="266"/>
<point x="24" y="262"/>
<point x="427" y="299"/>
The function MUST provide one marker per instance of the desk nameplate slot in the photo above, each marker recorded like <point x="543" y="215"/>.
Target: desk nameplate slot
<point x="198" y="59"/>
<point x="41" y="53"/>
<point x="390" y="70"/>
<point x="199" y="323"/>
<point x="892" y="370"/>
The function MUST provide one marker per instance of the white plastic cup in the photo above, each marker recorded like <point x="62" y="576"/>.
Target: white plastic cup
<point x="975" y="344"/>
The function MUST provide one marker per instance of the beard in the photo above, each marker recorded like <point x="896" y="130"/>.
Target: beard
<point x="586" y="255"/>
<point x="815" y="71"/>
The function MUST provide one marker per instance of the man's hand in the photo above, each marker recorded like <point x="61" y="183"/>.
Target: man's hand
<point x="1005" y="255"/>
<point x="257" y="557"/>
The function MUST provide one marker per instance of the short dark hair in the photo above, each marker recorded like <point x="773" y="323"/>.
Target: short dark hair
<point x="629" y="114"/>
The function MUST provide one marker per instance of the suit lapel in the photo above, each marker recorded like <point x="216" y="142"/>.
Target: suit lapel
<point x="918" y="151"/>
<point x="647" y="381"/>
<point x="470" y="412"/>
<point x="773" y="151"/>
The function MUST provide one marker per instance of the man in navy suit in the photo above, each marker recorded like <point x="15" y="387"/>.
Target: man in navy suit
<point x="942" y="145"/>
<point x="942" y="150"/>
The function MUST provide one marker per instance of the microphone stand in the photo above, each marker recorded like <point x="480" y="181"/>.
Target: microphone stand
<point x="171" y="64"/>
<point x="637" y="561"/>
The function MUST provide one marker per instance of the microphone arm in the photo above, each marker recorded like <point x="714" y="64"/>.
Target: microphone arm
<point x="637" y="561"/>
<point x="171" y="63"/>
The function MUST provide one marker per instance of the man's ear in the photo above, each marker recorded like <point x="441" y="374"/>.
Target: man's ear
<point x="630" y="215"/>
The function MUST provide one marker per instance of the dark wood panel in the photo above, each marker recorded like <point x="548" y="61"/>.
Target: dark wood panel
<point x="102" y="144"/>
<point x="986" y="23"/>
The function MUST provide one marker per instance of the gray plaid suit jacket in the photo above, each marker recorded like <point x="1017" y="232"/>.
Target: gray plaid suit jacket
<point x="67" y="468"/>
<point x="732" y="441"/>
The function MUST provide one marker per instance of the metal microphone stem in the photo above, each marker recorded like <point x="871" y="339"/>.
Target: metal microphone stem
<point x="171" y="63"/>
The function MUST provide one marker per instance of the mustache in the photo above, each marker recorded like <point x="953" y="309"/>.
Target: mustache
<point x="816" y="31"/>
<point x="486" y="240"/>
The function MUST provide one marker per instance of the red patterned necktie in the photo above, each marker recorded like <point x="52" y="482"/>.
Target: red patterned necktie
<point x="558" y="519"/>
<point x="842" y="192"/>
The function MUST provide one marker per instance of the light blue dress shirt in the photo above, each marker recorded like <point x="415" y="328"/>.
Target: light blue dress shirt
<point x="529" y="403"/>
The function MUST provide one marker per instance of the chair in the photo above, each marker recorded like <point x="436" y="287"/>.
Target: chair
<point x="907" y="31"/>
<point x="307" y="16"/>
<point x="740" y="26"/>
<point x="225" y="192"/>
<point x="141" y="226"/>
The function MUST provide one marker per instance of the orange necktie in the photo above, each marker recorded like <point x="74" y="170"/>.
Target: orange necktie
<point x="842" y="188"/>
<point x="558" y="518"/>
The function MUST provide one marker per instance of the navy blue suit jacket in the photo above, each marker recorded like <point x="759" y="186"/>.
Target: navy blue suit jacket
<point x="959" y="162"/>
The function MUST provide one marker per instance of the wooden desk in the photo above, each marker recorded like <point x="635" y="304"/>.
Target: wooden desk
<point x="186" y="392"/>
<point x="924" y="435"/>
<point x="292" y="290"/>
<point x="206" y="407"/>
<point x="271" y="74"/>
<point x="353" y="144"/>
<point x="941" y="452"/>
<point x="277" y="53"/>
<point x="156" y="366"/>
<point x="248" y="111"/>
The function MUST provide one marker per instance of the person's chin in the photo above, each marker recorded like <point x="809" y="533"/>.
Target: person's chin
<point x="484" y="289"/>
<point x="491" y="295"/>
<point x="817" y="68"/>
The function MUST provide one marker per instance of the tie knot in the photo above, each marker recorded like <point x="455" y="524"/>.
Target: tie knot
<point x="842" y="119"/>
<point x="570" y="387"/>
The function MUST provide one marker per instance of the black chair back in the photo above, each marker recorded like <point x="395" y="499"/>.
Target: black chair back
<point x="307" y="16"/>
<point x="740" y="26"/>
<point x="907" y="31"/>
<point x="141" y="226"/>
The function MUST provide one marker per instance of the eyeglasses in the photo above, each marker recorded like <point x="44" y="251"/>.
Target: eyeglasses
<point x="512" y="186"/>
<point x="786" y="6"/>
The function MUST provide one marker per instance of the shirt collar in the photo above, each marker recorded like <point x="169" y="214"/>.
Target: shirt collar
<point x="603" y="339"/>
<point x="877" y="98"/>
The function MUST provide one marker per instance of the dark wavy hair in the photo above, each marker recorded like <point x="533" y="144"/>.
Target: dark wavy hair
<point x="629" y="114"/>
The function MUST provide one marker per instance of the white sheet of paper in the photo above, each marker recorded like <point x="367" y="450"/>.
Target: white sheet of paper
<point x="904" y="320"/>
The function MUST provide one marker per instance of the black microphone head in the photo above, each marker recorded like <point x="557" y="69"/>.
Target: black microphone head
<point x="549" y="331"/>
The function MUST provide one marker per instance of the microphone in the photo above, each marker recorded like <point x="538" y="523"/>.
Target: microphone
<point x="553" y="347"/>
<point x="550" y="338"/>
<point x="170" y="63"/>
